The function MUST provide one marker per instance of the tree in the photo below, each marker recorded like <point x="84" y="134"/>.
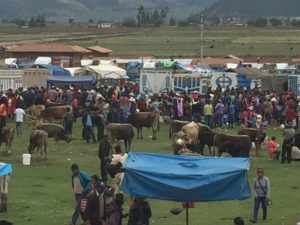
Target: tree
<point x="71" y="20"/>
<point x="20" y="22"/>
<point x="275" y="22"/>
<point x="295" y="23"/>
<point x="183" y="23"/>
<point x="141" y="17"/>
<point x="91" y="21"/>
<point x="172" y="21"/>
<point x="128" y="22"/>
<point x="260" y="22"/>
<point x="40" y="21"/>
<point x="31" y="22"/>
<point x="156" y="18"/>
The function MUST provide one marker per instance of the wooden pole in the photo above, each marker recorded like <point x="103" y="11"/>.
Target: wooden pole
<point x="187" y="214"/>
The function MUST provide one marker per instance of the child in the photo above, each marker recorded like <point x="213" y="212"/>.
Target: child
<point x="273" y="148"/>
<point x="20" y="114"/>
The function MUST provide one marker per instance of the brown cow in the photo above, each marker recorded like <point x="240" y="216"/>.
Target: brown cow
<point x="55" y="131"/>
<point x="120" y="132"/>
<point x="38" y="140"/>
<point x="34" y="111"/>
<point x="145" y="119"/>
<point x="257" y="136"/>
<point x="235" y="145"/>
<point x="7" y="136"/>
<point x="55" y="112"/>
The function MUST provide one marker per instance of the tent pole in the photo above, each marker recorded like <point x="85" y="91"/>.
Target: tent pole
<point x="187" y="214"/>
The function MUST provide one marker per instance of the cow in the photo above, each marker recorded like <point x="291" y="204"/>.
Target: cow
<point x="235" y="145"/>
<point x="206" y="138"/>
<point x="257" y="136"/>
<point x="34" y="111"/>
<point x="114" y="169"/>
<point x="55" y="131"/>
<point x="4" y="180"/>
<point x="7" y="136"/>
<point x="55" y="112"/>
<point x="145" y="119"/>
<point x="175" y="126"/>
<point x="190" y="132"/>
<point x="120" y="132"/>
<point x="38" y="140"/>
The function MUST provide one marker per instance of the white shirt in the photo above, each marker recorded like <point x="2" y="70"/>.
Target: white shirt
<point x="20" y="113"/>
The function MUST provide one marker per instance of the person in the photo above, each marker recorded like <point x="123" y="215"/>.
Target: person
<point x="99" y="123"/>
<point x="261" y="191"/>
<point x="68" y="121"/>
<point x="219" y="112"/>
<point x="288" y="138"/>
<point x="3" y="111"/>
<point x="103" y="154"/>
<point x="208" y="113"/>
<point x="238" y="221"/>
<point x="273" y="148"/>
<point x="88" y="127"/>
<point x="140" y="212"/>
<point x="20" y="113"/>
<point x="81" y="184"/>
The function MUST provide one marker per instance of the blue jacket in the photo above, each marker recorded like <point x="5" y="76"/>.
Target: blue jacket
<point x="85" y="180"/>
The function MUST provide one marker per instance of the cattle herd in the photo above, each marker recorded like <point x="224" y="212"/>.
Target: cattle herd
<point x="183" y="134"/>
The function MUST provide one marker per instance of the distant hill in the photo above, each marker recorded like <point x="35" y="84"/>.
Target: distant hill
<point x="95" y="9"/>
<point x="254" y="8"/>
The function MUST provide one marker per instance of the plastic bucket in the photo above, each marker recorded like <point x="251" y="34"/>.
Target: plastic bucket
<point x="26" y="159"/>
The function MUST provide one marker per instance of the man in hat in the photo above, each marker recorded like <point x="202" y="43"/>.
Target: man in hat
<point x="261" y="191"/>
<point x="288" y="138"/>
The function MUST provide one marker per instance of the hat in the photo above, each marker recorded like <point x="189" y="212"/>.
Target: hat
<point x="251" y="108"/>
<point x="92" y="91"/>
<point x="289" y="124"/>
<point x="196" y="92"/>
<point x="131" y="99"/>
<point x="131" y="94"/>
<point x="177" y="94"/>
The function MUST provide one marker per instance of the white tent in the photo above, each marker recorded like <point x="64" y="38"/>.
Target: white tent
<point x="102" y="71"/>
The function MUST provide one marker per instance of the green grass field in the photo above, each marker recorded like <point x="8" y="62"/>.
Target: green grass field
<point x="42" y="193"/>
<point x="166" y="41"/>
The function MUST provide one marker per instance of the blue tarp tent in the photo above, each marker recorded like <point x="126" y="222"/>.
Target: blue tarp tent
<point x="82" y="81"/>
<point x="56" y="70"/>
<point x="185" y="178"/>
<point x="5" y="169"/>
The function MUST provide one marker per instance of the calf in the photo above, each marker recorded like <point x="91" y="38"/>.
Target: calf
<point x="55" y="131"/>
<point x="207" y="138"/>
<point x="38" y="140"/>
<point x="7" y="136"/>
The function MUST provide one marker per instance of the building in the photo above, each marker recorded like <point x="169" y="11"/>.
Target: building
<point x="98" y="51"/>
<point x="106" y="25"/>
<point x="35" y="77"/>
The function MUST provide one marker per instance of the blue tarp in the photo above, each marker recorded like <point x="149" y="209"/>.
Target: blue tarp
<point x="56" y="70"/>
<point x="5" y="169"/>
<point x="85" y="81"/>
<point x="185" y="178"/>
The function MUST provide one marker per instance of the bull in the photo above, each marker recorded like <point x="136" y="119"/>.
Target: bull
<point x="120" y="132"/>
<point x="55" y="131"/>
<point x="34" y="111"/>
<point x="257" y="136"/>
<point x="235" y="145"/>
<point x="38" y="140"/>
<point x="145" y="119"/>
<point x="175" y="126"/>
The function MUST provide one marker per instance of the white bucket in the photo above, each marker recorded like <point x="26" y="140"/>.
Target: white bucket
<point x="26" y="159"/>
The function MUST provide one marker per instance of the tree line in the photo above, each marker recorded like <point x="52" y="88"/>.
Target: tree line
<point x="38" y="21"/>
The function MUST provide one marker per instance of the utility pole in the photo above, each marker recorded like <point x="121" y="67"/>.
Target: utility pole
<point x="201" y="35"/>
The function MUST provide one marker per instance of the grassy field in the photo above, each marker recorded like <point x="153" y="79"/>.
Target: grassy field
<point x="42" y="193"/>
<point x="166" y="41"/>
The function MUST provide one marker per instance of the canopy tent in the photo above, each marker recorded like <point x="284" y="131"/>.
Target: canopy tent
<point x="101" y="71"/>
<point x="82" y="81"/>
<point x="185" y="178"/>
<point x="5" y="169"/>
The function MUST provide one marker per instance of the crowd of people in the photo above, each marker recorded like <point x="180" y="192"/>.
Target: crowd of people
<point x="220" y="108"/>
